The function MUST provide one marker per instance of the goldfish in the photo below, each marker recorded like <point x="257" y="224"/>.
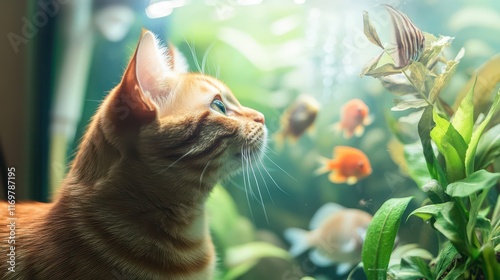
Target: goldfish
<point x="410" y="41"/>
<point x="354" y="116"/>
<point x="348" y="165"/>
<point x="297" y="119"/>
<point x="336" y="236"/>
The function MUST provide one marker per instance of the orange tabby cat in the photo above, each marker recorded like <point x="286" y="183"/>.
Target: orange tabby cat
<point x="132" y="205"/>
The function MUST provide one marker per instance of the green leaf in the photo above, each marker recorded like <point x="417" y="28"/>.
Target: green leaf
<point x="432" y="53"/>
<point x="463" y="119"/>
<point x="476" y="135"/>
<point x="372" y="64"/>
<point x="401" y="105"/>
<point x="240" y="259"/>
<point x="452" y="223"/>
<point x="489" y="263"/>
<point x="370" y="31"/>
<point x="380" y="236"/>
<point x="487" y="77"/>
<point x="428" y="211"/>
<point x="418" y="75"/>
<point x="384" y="70"/>
<point x="451" y="145"/>
<point x="488" y="148"/>
<point x="417" y="169"/>
<point x="415" y="268"/>
<point x="479" y="180"/>
<point x="442" y="80"/>
<point x="425" y="126"/>
<point x="446" y="256"/>
<point x="223" y="214"/>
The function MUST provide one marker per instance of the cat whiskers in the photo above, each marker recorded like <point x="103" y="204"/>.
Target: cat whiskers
<point x="176" y="161"/>
<point x="203" y="172"/>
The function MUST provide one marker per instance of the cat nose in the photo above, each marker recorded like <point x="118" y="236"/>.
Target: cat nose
<point x="259" y="117"/>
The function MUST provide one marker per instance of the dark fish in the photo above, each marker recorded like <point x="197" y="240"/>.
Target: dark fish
<point x="298" y="118"/>
<point x="409" y="39"/>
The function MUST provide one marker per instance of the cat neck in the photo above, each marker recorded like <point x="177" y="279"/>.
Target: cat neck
<point x="112" y="180"/>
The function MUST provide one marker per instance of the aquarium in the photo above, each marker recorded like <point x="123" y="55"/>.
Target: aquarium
<point x="381" y="152"/>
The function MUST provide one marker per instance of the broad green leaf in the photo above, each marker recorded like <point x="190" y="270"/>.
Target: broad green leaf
<point x="380" y="236"/>
<point x="428" y="211"/>
<point x="488" y="148"/>
<point x="463" y="119"/>
<point x="479" y="180"/>
<point x="370" y="31"/>
<point x="372" y="64"/>
<point x="384" y="70"/>
<point x="452" y="223"/>
<point x="442" y="80"/>
<point x="240" y="259"/>
<point x="446" y="256"/>
<point x="408" y="250"/>
<point x="425" y="126"/>
<point x="418" y="75"/>
<point x="418" y="168"/>
<point x="488" y="77"/>
<point x="415" y="267"/>
<point x="431" y="53"/>
<point x="401" y="105"/>
<point x="451" y="145"/>
<point x="456" y="273"/>
<point x="398" y="85"/>
<point x="222" y="212"/>
<point x="476" y="135"/>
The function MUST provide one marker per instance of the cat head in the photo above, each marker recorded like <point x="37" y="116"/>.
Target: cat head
<point x="179" y="124"/>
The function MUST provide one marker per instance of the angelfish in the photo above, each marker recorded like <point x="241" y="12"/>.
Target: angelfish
<point x="336" y="236"/>
<point x="410" y="41"/>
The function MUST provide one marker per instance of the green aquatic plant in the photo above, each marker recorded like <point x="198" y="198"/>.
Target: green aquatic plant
<point x="234" y="236"/>
<point x="458" y="149"/>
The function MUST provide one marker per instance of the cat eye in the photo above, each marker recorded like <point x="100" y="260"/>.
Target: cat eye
<point x="218" y="106"/>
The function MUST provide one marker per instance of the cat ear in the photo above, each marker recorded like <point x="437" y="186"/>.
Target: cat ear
<point x="133" y="100"/>
<point x="176" y="61"/>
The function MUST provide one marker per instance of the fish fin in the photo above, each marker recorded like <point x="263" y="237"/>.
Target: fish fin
<point x="343" y="268"/>
<point x="325" y="162"/>
<point x="298" y="239"/>
<point x="323" y="213"/>
<point x="319" y="259"/>
<point x="347" y="134"/>
<point x="351" y="180"/>
<point x="336" y="178"/>
<point x="359" y="130"/>
<point x="349" y="246"/>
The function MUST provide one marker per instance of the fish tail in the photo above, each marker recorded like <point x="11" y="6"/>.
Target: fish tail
<point x="298" y="239"/>
<point x="324" y="168"/>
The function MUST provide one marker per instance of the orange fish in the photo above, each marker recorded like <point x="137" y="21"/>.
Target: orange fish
<point x="348" y="165"/>
<point x="353" y="119"/>
<point x="297" y="119"/>
<point x="336" y="236"/>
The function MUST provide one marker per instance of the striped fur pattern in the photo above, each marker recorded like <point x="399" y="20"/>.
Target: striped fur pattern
<point x="132" y="204"/>
<point x="409" y="39"/>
